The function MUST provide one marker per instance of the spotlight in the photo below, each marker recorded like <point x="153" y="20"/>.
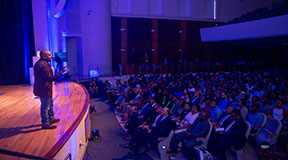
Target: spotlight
<point x="92" y="109"/>
<point x="95" y="136"/>
<point x="95" y="133"/>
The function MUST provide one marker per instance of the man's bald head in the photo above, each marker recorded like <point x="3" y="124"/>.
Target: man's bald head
<point x="165" y="112"/>
<point x="46" y="54"/>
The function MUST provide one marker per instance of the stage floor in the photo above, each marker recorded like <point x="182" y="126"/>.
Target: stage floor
<point x="20" y="122"/>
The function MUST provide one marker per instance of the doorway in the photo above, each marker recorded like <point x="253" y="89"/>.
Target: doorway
<point x="74" y="57"/>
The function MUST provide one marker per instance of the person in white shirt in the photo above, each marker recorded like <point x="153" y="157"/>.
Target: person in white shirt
<point x="189" y="119"/>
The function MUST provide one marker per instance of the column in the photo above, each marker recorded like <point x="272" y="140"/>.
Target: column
<point x="123" y="30"/>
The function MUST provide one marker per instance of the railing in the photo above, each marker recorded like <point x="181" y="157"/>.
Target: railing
<point x="22" y="155"/>
<point x="185" y="68"/>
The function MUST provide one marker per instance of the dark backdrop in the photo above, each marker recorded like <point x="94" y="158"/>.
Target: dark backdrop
<point x="17" y="41"/>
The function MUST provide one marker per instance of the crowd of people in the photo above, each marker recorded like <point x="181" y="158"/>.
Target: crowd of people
<point x="153" y="105"/>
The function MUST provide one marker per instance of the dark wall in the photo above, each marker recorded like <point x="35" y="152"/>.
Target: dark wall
<point x="169" y="39"/>
<point x="116" y="42"/>
<point x="139" y="37"/>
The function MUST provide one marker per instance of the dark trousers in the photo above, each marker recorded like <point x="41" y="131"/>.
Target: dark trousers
<point x="142" y="138"/>
<point x="133" y="123"/>
<point x="189" y="142"/>
<point x="225" y="142"/>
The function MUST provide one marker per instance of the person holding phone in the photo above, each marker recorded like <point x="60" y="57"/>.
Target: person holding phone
<point x="43" y="78"/>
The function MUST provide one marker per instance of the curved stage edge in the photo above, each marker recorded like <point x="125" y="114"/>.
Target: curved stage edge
<point x="20" y="122"/>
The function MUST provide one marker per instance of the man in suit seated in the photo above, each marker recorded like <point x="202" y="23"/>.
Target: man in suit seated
<point x="199" y="128"/>
<point x="233" y="135"/>
<point x="139" y="116"/>
<point x="149" y="133"/>
<point x="224" y="120"/>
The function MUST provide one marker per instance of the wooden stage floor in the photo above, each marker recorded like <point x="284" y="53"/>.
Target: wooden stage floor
<point x="20" y="122"/>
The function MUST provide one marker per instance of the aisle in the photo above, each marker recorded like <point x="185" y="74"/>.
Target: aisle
<point x="108" y="148"/>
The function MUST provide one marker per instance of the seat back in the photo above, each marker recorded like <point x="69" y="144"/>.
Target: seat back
<point x="205" y="141"/>
<point x="164" y="145"/>
<point x="248" y="129"/>
<point x="244" y="112"/>
<point x="264" y="119"/>
<point x="272" y="126"/>
<point x="239" y="153"/>
<point x="274" y="138"/>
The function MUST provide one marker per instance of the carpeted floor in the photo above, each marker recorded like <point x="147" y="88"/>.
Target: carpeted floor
<point x="109" y="147"/>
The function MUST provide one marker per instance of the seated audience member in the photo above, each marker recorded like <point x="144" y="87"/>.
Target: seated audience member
<point x="196" y="98"/>
<point x="183" y="112"/>
<point x="225" y="118"/>
<point x="285" y="102"/>
<point x="185" y="96"/>
<point x="279" y="112"/>
<point x="199" y="128"/>
<point x="117" y="89"/>
<point x="232" y="102"/>
<point x="135" y="101"/>
<point x="264" y="106"/>
<point x="255" y="118"/>
<point x="93" y="88"/>
<point x="174" y="106"/>
<point x="220" y="125"/>
<point x="215" y="111"/>
<point x="233" y="135"/>
<point x="149" y="133"/>
<point x="108" y="89"/>
<point x="283" y="139"/>
<point x="206" y="106"/>
<point x="188" y="120"/>
<point x="123" y="95"/>
<point x="223" y="103"/>
<point x="165" y="98"/>
<point x="140" y="116"/>
<point x="242" y="108"/>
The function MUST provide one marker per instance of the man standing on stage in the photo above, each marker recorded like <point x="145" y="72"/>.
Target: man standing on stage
<point x="43" y="78"/>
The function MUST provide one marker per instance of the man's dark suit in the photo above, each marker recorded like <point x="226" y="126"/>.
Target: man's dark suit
<point x="134" y="121"/>
<point x="197" y="129"/>
<point x="222" y="122"/>
<point x="161" y="129"/>
<point x="235" y="136"/>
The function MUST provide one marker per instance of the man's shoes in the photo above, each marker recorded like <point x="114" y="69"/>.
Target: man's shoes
<point x="172" y="157"/>
<point x="128" y="138"/>
<point x="48" y="126"/>
<point x="171" y="152"/>
<point x="54" y="121"/>
<point x="125" y="133"/>
<point x="143" y="150"/>
<point x="132" y="153"/>
<point x="126" y="145"/>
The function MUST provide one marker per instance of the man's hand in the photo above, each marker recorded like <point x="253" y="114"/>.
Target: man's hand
<point x="64" y="69"/>
<point x="220" y="133"/>
<point x="149" y="130"/>
<point x="146" y="126"/>
<point x="187" y="133"/>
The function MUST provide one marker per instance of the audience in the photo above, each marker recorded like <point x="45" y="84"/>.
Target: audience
<point x="226" y="98"/>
